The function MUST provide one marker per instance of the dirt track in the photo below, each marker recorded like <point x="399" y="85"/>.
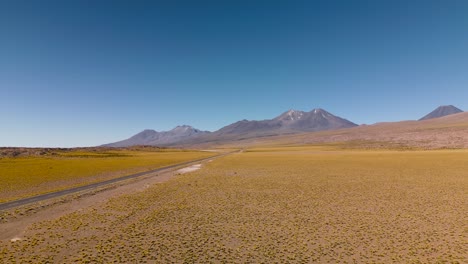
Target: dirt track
<point x="43" y="197"/>
<point x="13" y="228"/>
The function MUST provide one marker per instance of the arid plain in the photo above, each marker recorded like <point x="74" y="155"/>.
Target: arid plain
<point x="27" y="172"/>
<point x="302" y="204"/>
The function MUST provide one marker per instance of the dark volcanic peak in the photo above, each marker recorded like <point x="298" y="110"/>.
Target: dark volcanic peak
<point x="183" y="126"/>
<point x="288" y="122"/>
<point x="184" y="129"/>
<point x="246" y="126"/>
<point x="290" y="115"/>
<point x="147" y="132"/>
<point x="441" y="111"/>
<point x="318" y="119"/>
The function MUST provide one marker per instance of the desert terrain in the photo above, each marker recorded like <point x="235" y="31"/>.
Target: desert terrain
<point x="299" y="204"/>
<point x="448" y="132"/>
<point x="28" y="172"/>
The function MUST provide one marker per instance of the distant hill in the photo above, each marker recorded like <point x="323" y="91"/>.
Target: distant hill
<point x="449" y="131"/>
<point x="289" y="122"/>
<point x="155" y="138"/>
<point x="445" y="127"/>
<point x="442" y="111"/>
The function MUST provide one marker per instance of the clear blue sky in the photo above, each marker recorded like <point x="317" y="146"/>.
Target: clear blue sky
<point x="82" y="73"/>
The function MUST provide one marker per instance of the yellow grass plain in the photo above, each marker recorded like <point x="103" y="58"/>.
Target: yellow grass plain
<point x="26" y="176"/>
<point x="286" y="205"/>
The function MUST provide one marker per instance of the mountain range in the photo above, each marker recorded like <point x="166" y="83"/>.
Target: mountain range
<point x="292" y="121"/>
<point x="288" y="123"/>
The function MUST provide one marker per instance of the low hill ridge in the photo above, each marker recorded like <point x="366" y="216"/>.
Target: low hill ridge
<point x="154" y="138"/>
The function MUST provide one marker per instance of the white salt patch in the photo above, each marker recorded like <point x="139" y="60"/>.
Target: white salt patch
<point x="190" y="169"/>
<point x="15" y="239"/>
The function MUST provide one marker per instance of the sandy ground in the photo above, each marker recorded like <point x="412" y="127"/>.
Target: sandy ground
<point x="16" y="221"/>
<point x="271" y="207"/>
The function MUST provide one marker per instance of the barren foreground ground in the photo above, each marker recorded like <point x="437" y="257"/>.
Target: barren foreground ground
<point x="285" y="205"/>
<point x="27" y="174"/>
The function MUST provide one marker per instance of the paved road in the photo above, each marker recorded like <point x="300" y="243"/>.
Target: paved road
<point x="42" y="197"/>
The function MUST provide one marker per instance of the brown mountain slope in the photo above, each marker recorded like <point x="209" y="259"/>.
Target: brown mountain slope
<point x="441" y="111"/>
<point x="445" y="132"/>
